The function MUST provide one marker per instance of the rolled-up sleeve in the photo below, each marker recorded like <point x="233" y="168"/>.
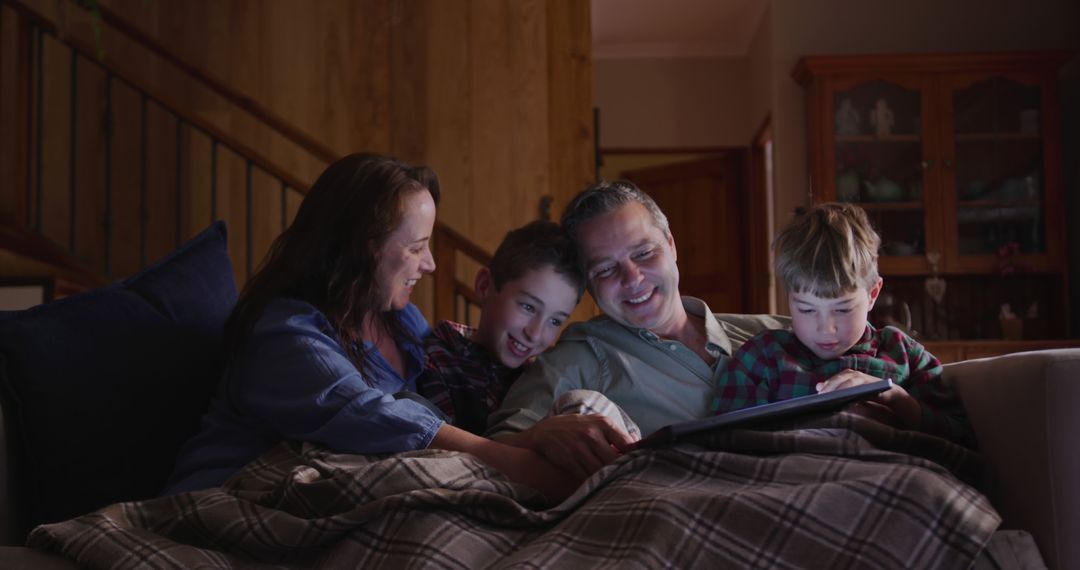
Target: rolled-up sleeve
<point x="295" y="378"/>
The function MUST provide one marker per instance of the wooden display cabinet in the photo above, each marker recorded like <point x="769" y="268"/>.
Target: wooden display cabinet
<point x="957" y="160"/>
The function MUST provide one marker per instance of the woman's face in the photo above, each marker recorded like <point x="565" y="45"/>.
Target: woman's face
<point x="405" y="256"/>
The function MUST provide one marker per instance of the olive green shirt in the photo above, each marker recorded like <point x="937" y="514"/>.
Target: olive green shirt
<point x="656" y="382"/>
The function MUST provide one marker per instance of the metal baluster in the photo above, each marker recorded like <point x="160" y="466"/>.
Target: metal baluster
<point x="144" y="208"/>
<point x="72" y="206"/>
<point x="250" y="220"/>
<point x="284" y="205"/>
<point x="39" y="198"/>
<point x="179" y="176"/>
<point x="30" y="142"/>
<point x="108" y="222"/>
<point x="213" y="180"/>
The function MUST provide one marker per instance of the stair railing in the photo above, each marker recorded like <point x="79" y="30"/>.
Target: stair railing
<point x="453" y="298"/>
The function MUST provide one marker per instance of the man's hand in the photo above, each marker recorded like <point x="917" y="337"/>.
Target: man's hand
<point x="896" y="398"/>
<point x="579" y="443"/>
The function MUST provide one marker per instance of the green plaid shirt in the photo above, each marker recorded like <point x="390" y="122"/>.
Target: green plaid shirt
<point x="775" y="366"/>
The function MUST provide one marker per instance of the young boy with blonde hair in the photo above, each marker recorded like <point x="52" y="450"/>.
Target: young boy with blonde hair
<point x="827" y="260"/>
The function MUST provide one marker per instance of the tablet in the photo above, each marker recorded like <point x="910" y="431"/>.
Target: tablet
<point x="771" y="411"/>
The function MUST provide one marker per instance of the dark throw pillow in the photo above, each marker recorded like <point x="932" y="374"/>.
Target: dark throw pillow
<point x="102" y="388"/>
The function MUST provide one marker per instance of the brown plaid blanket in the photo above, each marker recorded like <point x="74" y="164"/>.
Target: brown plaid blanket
<point x="834" y="491"/>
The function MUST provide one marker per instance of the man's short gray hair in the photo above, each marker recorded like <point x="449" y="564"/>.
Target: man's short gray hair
<point x="605" y="197"/>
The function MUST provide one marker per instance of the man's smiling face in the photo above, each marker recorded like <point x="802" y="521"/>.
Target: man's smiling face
<point x="631" y="270"/>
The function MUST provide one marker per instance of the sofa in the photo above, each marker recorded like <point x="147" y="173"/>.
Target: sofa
<point x="100" y="390"/>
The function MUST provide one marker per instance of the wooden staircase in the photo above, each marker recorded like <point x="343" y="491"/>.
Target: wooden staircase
<point x="126" y="172"/>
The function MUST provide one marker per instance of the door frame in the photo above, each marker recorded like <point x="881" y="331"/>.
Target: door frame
<point x="761" y="290"/>
<point x="753" y="207"/>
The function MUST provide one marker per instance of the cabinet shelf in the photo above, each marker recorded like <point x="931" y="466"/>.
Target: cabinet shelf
<point x="981" y="137"/>
<point x="890" y="206"/>
<point x="877" y="139"/>
<point x="991" y="204"/>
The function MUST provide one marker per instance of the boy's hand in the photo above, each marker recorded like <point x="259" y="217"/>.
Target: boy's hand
<point x="896" y="398"/>
<point x="579" y="443"/>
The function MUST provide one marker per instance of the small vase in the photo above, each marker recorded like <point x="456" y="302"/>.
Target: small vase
<point x="1012" y="328"/>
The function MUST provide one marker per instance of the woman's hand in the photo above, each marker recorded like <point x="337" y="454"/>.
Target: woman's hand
<point x="529" y="468"/>
<point x="519" y="464"/>
<point x="578" y="443"/>
<point x="902" y="405"/>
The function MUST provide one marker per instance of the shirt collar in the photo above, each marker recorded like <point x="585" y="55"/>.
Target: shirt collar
<point x="459" y="338"/>
<point x="716" y="341"/>
<point x="865" y="342"/>
<point x="716" y="338"/>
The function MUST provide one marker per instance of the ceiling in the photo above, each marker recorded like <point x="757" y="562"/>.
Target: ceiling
<point x="625" y="29"/>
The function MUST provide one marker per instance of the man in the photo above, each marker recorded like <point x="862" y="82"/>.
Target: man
<point x="654" y="353"/>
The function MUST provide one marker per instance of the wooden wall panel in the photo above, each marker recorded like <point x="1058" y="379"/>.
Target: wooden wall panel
<point x="448" y="143"/>
<point x="493" y="126"/>
<point x="570" y="98"/>
<point x="50" y="122"/>
<point x="495" y="95"/>
<point x="13" y="80"/>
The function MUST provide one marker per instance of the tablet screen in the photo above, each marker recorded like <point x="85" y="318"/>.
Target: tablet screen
<point x="771" y="411"/>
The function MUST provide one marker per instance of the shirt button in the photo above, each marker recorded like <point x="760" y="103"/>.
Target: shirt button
<point x="672" y="347"/>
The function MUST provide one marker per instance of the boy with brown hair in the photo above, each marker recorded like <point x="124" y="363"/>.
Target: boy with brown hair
<point x="526" y="293"/>
<point x="827" y="261"/>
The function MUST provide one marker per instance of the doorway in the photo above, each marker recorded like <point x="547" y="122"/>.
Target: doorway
<point x="704" y="194"/>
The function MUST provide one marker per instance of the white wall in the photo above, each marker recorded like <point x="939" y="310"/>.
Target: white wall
<point x="760" y="73"/>
<point x="673" y="103"/>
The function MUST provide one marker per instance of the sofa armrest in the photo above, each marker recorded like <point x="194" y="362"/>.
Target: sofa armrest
<point x="1025" y="409"/>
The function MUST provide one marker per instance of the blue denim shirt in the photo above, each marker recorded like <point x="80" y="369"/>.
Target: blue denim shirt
<point x="293" y="381"/>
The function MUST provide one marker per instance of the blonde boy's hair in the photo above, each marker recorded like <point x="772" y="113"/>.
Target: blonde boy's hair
<point x="828" y="251"/>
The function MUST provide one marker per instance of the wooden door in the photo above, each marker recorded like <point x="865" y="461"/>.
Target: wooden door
<point x="703" y="202"/>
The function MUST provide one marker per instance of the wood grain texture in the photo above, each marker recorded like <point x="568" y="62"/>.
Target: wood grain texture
<point x="496" y="96"/>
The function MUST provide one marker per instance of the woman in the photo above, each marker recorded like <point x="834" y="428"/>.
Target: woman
<point x="323" y="345"/>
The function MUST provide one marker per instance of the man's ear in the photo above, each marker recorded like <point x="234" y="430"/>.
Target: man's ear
<point x="671" y="242"/>
<point x="874" y="292"/>
<point x="484" y="284"/>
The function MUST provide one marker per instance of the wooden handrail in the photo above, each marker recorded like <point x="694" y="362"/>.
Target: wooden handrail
<point x="300" y="138"/>
<point x="39" y="248"/>
<point x="462" y="243"/>
<point x="447" y="242"/>
<point x="448" y="288"/>
<point x="264" y="115"/>
<point x="165" y="101"/>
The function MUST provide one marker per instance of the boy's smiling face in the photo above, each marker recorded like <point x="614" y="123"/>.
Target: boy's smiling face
<point x="524" y="317"/>
<point x="830" y="327"/>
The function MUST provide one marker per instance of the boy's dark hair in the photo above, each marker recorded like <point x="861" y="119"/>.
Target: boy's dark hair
<point x="534" y="246"/>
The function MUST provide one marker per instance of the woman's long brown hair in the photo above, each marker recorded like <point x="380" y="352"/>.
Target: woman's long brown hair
<point x="327" y="256"/>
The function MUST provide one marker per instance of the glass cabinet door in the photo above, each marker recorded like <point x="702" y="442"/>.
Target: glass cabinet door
<point x="997" y="180"/>
<point x="878" y="154"/>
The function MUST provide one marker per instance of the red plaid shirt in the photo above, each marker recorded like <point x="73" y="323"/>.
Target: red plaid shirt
<point x="775" y="366"/>
<point x="461" y="379"/>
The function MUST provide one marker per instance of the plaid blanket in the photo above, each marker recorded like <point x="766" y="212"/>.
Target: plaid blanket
<point x="835" y="491"/>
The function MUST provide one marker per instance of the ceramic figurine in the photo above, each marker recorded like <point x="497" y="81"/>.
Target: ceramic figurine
<point x="884" y="190"/>
<point x="847" y="186"/>
<point x="1029" y="121"/>
<point x="882" y="118"/>
<point x="847" y="119"/>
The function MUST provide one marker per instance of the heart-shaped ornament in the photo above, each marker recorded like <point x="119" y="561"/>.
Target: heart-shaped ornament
<point x="935" y="287"/>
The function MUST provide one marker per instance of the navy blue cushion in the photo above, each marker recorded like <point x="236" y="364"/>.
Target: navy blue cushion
<point x="102" y="388"/>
